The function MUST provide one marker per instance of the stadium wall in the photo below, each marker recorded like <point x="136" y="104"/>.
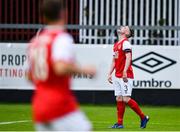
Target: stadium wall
<point x="143" y="96"/>
<point x="156" y="74"/>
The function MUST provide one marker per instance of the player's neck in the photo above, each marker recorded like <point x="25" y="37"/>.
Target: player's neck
<point x="121" y="38"/>
<point x="57" y="24"/>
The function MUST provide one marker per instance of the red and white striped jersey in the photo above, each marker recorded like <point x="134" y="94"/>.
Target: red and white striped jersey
<point x="120" y="49"/>
<point x="52" y="97"/>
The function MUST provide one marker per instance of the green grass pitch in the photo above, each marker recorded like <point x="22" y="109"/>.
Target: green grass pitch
<point x="102" y="117"/>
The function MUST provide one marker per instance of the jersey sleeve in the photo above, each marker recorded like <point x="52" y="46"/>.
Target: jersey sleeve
<point x="127" y="46"/>
<point x="63" y="48"/>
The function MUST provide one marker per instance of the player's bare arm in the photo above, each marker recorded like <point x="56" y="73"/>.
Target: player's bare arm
<point x="63" y="68"/>
<point x="111" y="71"/>
<point x="127" y="64"/>
<point x="28" y="76"/>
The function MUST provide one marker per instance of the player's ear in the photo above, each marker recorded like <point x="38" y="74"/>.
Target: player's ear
<point x="128" y="35"/>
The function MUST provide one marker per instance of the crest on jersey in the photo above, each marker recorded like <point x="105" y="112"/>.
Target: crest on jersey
<point x="116" y="54"/>
<point x="119" y="46"/>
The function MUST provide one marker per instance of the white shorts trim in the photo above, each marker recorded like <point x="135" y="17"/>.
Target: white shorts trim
<point x="75" y="121"/>
<point x="121" y="88"/>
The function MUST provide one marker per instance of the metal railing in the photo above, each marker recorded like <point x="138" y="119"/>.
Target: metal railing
<point x="142" y="13"/>
<point x="156" y="31"/>
<point x="28" y="12"/>
<point x="156" y="22"/>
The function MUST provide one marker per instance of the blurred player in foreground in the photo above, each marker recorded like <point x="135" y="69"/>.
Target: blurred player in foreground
<point x="52" y="62"/>
<point x="121" y="63"/>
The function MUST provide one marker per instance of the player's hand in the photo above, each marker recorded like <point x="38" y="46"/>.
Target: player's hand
<point x="28" y="76"/>
<point x="125" y="77"/>
<point x="91" y="70"/>
<point x="110" y="79"/>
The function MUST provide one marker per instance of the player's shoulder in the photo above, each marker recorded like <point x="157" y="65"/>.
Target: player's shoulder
<point x="41" y="37"/>
<point x="126" y="42"/>
<point x="63" y="37"/>
<point x="63" y="41"/>
<point x="127" y="45"/>
<point x="33" y="42"/>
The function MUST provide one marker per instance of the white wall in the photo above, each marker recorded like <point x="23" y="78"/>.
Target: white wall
<point x="159" y="68"/>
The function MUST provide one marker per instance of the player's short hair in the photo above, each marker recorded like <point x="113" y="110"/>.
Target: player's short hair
<point x="131" y="32"/>
<point x="52" y="9"/>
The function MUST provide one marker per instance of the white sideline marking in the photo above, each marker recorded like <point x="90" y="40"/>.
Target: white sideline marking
<point x="13" y="122"/>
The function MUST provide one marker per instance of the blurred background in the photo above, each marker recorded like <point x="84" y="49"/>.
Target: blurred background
<point x="99" y="19"/>
<point x="93" y="24"/>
